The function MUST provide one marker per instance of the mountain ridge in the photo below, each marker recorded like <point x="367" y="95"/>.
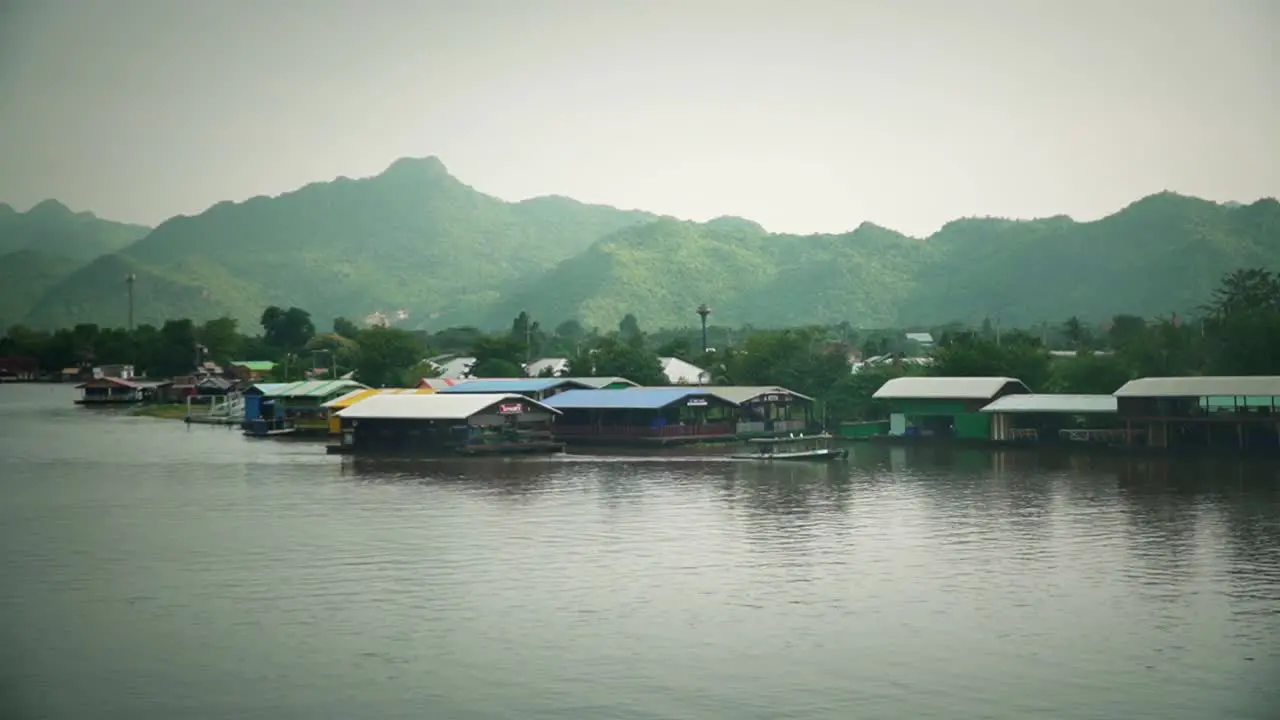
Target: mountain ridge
<point x="415" y="237"/>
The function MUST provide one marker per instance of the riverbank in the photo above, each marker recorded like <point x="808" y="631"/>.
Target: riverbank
<point x="166" y="411"/>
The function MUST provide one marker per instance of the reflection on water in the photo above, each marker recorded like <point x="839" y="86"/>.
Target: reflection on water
<point x="157" y="571"/>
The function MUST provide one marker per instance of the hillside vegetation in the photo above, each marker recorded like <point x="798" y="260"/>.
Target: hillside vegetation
<point x="416" y="239"/>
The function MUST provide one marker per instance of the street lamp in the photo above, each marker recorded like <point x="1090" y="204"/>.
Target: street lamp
<point x="703" y="311"/>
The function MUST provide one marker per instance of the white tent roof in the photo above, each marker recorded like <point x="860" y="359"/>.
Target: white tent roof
<point x="944" y="388"/>
<point x="436" y="406"/>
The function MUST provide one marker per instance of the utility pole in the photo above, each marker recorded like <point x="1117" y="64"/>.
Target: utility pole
<point x="703" y="311"/>
<point x="129" y="280"/>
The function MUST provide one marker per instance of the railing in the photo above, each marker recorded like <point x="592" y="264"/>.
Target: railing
<point x="644" y="431"/>
<point x="1024" y="434"/>
<point x="1099" y="435"/>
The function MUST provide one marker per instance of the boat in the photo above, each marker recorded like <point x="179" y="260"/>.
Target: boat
<point x="263" y="427"/>
<point x="793" y="447"/>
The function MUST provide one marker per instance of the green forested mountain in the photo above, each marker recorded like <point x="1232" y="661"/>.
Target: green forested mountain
<point x="1160" y="255"/>
<point x="413" y="238"/>
<point x="54" y="229"/>
<point x="416" y="239"/>
<point x="45" y="245"/>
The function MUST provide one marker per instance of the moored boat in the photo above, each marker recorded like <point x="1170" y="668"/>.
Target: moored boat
<point x="793" y="447"/>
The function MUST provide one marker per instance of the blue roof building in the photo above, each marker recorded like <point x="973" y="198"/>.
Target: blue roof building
<point x="532" y="388"/>
<point x="643" y="416"/>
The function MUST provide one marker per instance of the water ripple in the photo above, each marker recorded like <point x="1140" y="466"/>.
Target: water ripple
<point x="154" y="570"/>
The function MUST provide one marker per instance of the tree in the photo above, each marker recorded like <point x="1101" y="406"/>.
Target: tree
<point x="800" y="359"/>
<point x="385" y="355"/>
<point x="616" y="358"/>
<point x="1244" y="324"/>
<point x="220" y="338"/>
<point x="1090" y="374"/>
<point x="966" y="354"/>
<point x="498" y="356"/>
<point x="1077" y="334"/>
<point x="288" y="329"/>
<point x="346" y="328"/>
<point x="629" y="330"/>
<point x="526" y="331"/>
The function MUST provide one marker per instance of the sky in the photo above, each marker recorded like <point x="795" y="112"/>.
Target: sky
<point x="803" y="115"/>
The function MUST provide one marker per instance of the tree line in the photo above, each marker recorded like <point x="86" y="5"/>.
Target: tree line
<point x="1237" y="333"/>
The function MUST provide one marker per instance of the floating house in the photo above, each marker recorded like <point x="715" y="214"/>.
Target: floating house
<point x="333" y="407"/>
<point x="1050" y="418"/>
<point x="436" y="423"/>
<point x="534" y="388"/>
<point x="944" y="406"/>
<point x="120" y="391"/>
<point x="1229" y="413"/>
<point x="768" y="409"/>
<point x="297" y="406"/>
<point x="644" y="416"/>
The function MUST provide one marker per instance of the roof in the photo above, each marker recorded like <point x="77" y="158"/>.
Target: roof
<point x="639" y="398"/>
<point x="944" y="388"/>
<point x="600" y="383"/>
<point x="920" y="337"/>
<point x="556" y="365"/>
<point x="742" y="393"/>
<point x="361" y="394"/>
<point x="133" y="383"/>
<point x="509" y="385"/>
<point x="1049" y="403"/>
<point x="454" y="367"/>
<point x="308" y="388"/>
<point x="438" y="383"/>
<point x="255" y="365"/>
<point x="432" y="406"/>
<point x="679" y="371"/>
<point x="1257" y="385"/>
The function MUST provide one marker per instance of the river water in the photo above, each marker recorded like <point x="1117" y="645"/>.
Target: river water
<point x="151" y="570"/>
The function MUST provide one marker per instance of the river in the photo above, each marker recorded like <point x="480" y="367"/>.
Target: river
<point x="152" y="570"/>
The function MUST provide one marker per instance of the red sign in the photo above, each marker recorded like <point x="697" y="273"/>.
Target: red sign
<point x="510" y="409"/>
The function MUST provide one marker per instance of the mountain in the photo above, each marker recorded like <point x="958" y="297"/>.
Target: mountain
<point x="1159" y="255"/>
<point x="54" y="229"/>
<point x="25" y="277"/>
<point x="413" y="238"/>
<point x="45" y="245"/>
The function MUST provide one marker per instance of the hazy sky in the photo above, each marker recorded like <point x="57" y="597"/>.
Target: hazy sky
<point x="805" y="115"/>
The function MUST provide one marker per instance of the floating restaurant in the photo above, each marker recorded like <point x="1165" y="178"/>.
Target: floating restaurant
<point x="1183" y="413"/>
<point x="1050" y="418"/>
<point x="644" y="416"/>
<point x="333" y="407"/>
<point x="120" y="391"/>
<point x="949" y="407"/>
<point x="768" y="409"/>
<point x="441" y="424"/>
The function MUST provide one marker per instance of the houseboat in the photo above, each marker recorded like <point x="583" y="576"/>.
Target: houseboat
<point x="287" y="408"/>
<point x="119" y="391"/>
<point x="644" y="416"/>
<point x="768" y="410"/>
<point x="440" y="424"/>
<point x="333" y="407"/>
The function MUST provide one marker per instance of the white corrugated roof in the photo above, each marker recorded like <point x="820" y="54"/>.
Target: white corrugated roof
<point x="944" y="388"/>
<point x="1048" y="403"/>
<point x="436" y="406"/>
<point x="1257" y="385"/>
